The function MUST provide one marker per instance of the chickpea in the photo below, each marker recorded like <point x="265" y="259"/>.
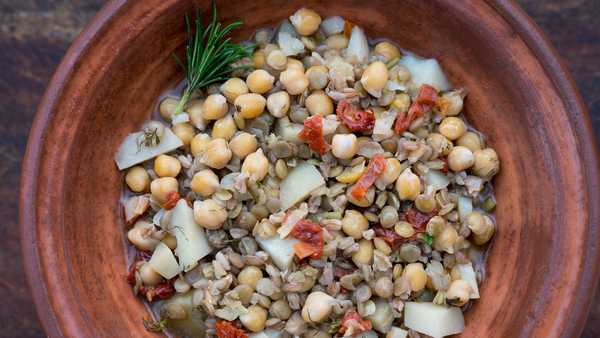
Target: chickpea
<point x="318" y="77"/>
<point x="337" y="41"/>
<point x="167" y="108"/>
<point x="404" y="229"/>
<point x="295" y="64"/>
<point x="364" y="255"/>
<point x="425" y="203"/>
<point x="167" y="166"/>
<point x="214" y="107"/>
<point x="364" y="202"/>
<point x="482" y="227"/>
<point x="439" y="143"/>
<point x="319" y="103"/>
<point x="199" y="144"/>
<point x="458" y="293"/>
<point x="408" y="185"/>
<point x="417" y="278"/>
<point x="470" y="140"/>
<point x="384" y="287"/>
<point x="137" y="179"/>
<point x="260" y="81"/>
<point x="317" y="307"/>
<point x="486" y="163"/>
<point x="148" y="275"/>
<point x="205" y="182"/>
<point x="259" y="59"/>
<point x="243" y="144"/>
<point x="387" y="50"/>
<point x="224" y="128"/>
<point x="281" y="169"/>
<point x="374" y="78"/>
<point x="277" y="60"/>
<point x="250" y="276"/>
<point x="294" y="81"/>
<point x="446" y="239"/>
<point x="436" y="225"/>
<point x="344" y="146"/>
<point x="460" y="158"/>
<point x="401" y="102"/>
<point x="450" y="103"/>
<point x="217" y="154"/>
<point x="278" y="104"/>
<point x="354" y="223"/>
<point x="209" y="214"/>
<point x="388" y="216"/>
<point x="256" y="318"/>
<point x="142" y="236"/>
<point x="314" y="333"/>
<point x="452" y="127"/>
<point x="256" y="165"/>
<point x="391" y="172"/>
<point x="233" y="88"/>
<point x="250" y="105"/>
<point x="185" y="132"/>
<point x="162" y="187"/>
<point x="403" y="74"/>
<point x="280" y="309"/>
<point x="195" y="112"/>
<point x="306" y="21"/>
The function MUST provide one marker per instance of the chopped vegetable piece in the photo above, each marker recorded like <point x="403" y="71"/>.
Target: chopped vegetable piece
<point x="433" y="320"/>
<point x="391" y="237"/>
<point x="312" y="133"/>
<point x="311" y="236"/>
<point x="427" y="96"/>
<point x="192" y="243"/>
<point x="353" y="323"/>
<point x="425" y="71"/>
<point x="465" y="207"/>
<point x="352" y="174"/>
<point x="298" y="184"/>
<point x="164" y="290"/>
<point x="356" y="120"/>
<point x="163" y="261"/>
<point x="418" y="219"/>
<point x="427" y="238"/>
<point x="374" y="169"/>
<point x="280" y="250"/>
<point x="468" y="275"/>
<point x="226" y="329"/>
<point x="424" y="101"/>
<point x="172" y="199"/>
<point x="383" y="317"/>
<point x="128" y="154"/>
<point x="489" y="204"/>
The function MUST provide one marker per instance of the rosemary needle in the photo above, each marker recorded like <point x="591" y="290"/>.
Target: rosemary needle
<point x="209" y="54"/>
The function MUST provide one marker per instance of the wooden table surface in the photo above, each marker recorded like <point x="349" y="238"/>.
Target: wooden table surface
<point x="34" y="34"/>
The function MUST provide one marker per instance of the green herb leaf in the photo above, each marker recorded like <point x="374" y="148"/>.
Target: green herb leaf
<point x="209" y="54"/>
<point x="149" y="138"/>
<point x="427" y="238"/>
<point x="155" y="326"/>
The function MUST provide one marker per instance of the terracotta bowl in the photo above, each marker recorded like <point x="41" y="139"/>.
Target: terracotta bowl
<point x="542" y="268"/>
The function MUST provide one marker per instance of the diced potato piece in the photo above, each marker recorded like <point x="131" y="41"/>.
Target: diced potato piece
<point x="396" y="332"/>
<point x="128" y="154"/>
<point x="192" y="243"/>
<point x="465" y="207"/>
<point x="163" y="261"/>
<point x="434" y="320"/>
<point x="191" y="324"/>
<point x="298" y="184"/>
<point x="425" y="71"/>
<point x="280" y="250"/>
<point x="467" y="273"/>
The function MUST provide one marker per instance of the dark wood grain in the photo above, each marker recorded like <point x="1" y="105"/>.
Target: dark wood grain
<point x="34" y="35"/>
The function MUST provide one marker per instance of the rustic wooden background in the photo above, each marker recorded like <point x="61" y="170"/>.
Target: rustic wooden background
<point x="34" y="34"/>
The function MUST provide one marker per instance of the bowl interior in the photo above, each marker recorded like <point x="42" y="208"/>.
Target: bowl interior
<point x="113" y="81"/>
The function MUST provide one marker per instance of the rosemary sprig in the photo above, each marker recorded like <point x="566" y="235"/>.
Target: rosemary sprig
<point x="209" y="54"/>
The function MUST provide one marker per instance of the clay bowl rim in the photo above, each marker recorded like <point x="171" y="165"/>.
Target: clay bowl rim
<point x="522" y="24"/>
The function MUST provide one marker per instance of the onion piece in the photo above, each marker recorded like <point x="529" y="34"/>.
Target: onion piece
<point x="433" y="320"/>
<point x="425" y="71"/>
<point x="358" y="46"/>
<point x="192" y="244"/>
<point x="436" y="179"/>
<point x="298" y="184"/>
<point x="465" y="207"/>
<point x="333" y="25"/>
<point x="163" y="261"/>
<point x="128" y="154"/>
<point x="467" y="273"/>
<point x="383" y="125"/>
<point x="280" y="250"/>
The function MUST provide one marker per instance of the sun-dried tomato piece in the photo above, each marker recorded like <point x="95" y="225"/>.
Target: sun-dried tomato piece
<point x="424" y="101"/>
<point x="164" y="290"/>
<point x="445" y="168"/>
<point x="225" y="329"/>
<point x="391" y="237"/>
<point x="311" y="239"/>
<point x="418" y="219"/>
<point x="172" y="198"/>
<point x="353" y="322"/>
<point x="366" y="180"/>
<point x="312" y="133"/>
<point x="354" y="119"/>
<point x="340" y="272"/>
